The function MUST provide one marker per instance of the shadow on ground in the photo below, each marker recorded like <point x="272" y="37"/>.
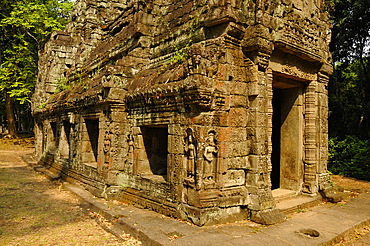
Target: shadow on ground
<point x="35" y="211"/>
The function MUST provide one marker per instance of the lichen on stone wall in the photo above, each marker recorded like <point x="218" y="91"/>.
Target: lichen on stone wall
<point x="172" y="104"/>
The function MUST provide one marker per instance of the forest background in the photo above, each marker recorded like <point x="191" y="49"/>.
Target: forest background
<point x="26" y="25"/>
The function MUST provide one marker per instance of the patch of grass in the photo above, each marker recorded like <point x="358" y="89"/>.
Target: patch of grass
<point x="35" y="211"/>
<point x="20" y="143"/>
<point x="301" y="210"/>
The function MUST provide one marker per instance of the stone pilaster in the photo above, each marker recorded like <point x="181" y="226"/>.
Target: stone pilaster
<point x="311" y="151"/>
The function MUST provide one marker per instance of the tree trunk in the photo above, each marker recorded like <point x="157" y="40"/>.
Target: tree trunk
<point x="10" y="116"/>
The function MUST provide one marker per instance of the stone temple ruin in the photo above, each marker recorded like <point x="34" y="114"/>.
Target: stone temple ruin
<point x="197" y="109"/>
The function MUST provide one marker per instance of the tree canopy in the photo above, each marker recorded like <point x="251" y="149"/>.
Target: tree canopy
<point x="349" y="88"/>
<point x="25" y="26"/>
<point x="351" y="29"/>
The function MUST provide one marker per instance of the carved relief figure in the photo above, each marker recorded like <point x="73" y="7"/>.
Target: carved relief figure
<point x="107" y="142"/>
<point x="107" y="151"/>
<point x="210" y="153"/>
<point x="190" y="153"/>
<point x="130" y="142"/>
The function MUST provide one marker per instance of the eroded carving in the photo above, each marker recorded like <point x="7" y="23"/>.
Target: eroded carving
<point x="210" y="158"/>
<point x="161" y="79"/>
<point x="191" y="156"/>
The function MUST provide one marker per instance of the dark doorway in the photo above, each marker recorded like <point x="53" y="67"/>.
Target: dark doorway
<point x="53" y="126"/>
<point x="64" y="145"/>
<point x="67" y="131"/>
<point x="287" y="134"/>
<point x="92" y="127"/>
<point x="156" y="142"/>
<point x="276" y="126"/>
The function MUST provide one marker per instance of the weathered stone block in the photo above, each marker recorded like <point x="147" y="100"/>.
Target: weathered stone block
<point x="235" y="178"/>
<point x="238" y="117"/>
<point x="142" y="167"/>
<point x="239" y="148"/>
<point x="232" y="134"/>
<point x="141" y="155"/>
<point x="136" y="131"/>
<point x="238" y="88"/>
<point x="176" y="144"/>
<point x="139" y="142"/>
<point x="268" y="217"/>
<point x="253" y="89"/>
<point x="259" y="148"/>
<point x="238" y="101"/>
<point x="116" y="93"/>
<point x="240" y="162"/>
<point x="86" y="146"/>
<point x="208" y="88"/>
<point x="252" y="178"/>
<point x="176" y="129"/>
<point x="176" y="174"/>
<point x="238" y="74"/>
<point x="88" y="157"/>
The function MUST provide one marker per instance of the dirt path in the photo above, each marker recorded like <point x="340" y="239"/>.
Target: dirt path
<point x="361" y="236"/>
<point x="35" y="211"/>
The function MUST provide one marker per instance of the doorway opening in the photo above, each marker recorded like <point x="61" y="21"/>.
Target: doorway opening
<point x="276" y="126"/>
<point x="92" y="127"/>
<point x="287" y="134"/>
<point x="90" y="142"/>
<point x="156" y="144"/>
<point x="64" y="145"/>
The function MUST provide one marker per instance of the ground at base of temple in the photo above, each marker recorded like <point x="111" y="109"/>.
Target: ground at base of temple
<point x="343" y="223"/>
<point x="325" y="224"/>
<point x="35" y="211"/>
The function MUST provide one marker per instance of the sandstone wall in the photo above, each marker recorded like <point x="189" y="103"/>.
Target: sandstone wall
<point x="195" y="78"/>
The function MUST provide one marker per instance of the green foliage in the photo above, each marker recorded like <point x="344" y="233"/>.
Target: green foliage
<point x="351" y="28"/>
<point x="17" y="72"/>
<point x="25" y="27"/>
<point x="182" y="49"/>
<point x="43" y="105"/>
<point x="350" y="157"/>
<point x="36" y="19"/>
<point x="62" y="85"/>
<point x="349" y="88"/>
<point x="180" y="55"/>
<point x="349" y="102"/>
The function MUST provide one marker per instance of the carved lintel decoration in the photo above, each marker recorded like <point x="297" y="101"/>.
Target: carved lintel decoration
<point x="262" y="60"/>
<point x="235" y="30"/>
<point x="184" y="100"/>
<point x="162" y="99"/>
<point x="257" y="46"/>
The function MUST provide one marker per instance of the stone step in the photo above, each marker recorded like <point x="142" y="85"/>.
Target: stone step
<point x="298" y="203"/>
<point x="283" y="194"/>
<point x="48" y="174"/>
<point x="29" y="159"/>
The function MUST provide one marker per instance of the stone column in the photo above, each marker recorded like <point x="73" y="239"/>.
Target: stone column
<point x="258" y="48"/>
<point x="310" y="144"/>
<point x="323" y="79"/>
